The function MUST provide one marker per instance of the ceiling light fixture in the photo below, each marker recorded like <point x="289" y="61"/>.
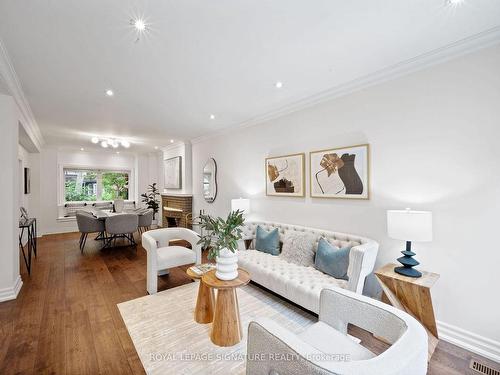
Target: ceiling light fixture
<point x="109" y="92"/>
<point x="117" y="152"/>
<point x="140" y="25"/>
<point x="82" y="149"/>
<point x="454" y="3"/>
<point x="278" y="85"/>
<point x="113" y="142"/>
<point x="156" y="147"/>
<point x="212" y="117"/>
<point x="171" y="141"/>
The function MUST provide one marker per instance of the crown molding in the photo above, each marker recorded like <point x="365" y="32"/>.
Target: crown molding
<point x="453" y="50"/>
<point x="8" y="74"/>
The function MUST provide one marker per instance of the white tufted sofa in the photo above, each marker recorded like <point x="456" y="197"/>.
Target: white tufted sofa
<point x="297" y="283"/>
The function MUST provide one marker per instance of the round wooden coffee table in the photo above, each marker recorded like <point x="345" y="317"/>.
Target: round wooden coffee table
<point x="204" y="310"/>
<point x="226" y="327"/>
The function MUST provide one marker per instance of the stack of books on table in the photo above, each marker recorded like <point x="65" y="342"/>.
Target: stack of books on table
<point x="201" y="269"/>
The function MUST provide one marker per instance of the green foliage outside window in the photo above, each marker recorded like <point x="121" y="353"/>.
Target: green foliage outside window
<point x="114" y="185"/>
<point x="82" y="185"/>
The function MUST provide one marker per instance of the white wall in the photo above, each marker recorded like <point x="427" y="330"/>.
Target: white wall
<point x="149" y="171"/>
<point x="10" y="281"/>
<point x="50" y="167"/>
<point x="434" y="139"/>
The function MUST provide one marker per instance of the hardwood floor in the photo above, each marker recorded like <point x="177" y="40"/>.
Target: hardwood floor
<point x="65" y="319"/>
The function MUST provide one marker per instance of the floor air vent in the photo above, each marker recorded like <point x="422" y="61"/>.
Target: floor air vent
<point x="483" y="369"/>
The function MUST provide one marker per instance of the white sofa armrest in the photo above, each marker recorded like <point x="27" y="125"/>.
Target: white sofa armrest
<point x="271" y="347"/>
<point x="361" y="263"/>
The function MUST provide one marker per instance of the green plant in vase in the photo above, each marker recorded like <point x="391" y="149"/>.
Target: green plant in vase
<point x="221" y="239"/>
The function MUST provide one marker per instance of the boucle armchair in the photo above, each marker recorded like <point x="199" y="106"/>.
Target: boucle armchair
<point x="161" y="256"/>
<point x="325" y="348"/>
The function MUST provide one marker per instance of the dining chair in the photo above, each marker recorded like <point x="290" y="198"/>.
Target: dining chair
<point x="88" y="223"/>
<point x="145" y="221"/>
<point x="121" y="226"/>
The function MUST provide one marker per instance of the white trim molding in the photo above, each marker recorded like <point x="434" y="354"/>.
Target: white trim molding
<point x="470" y="341"/>
<point x="487" y="38"/>
<point x="9" y="75"/>
<point x="7" y="294"/>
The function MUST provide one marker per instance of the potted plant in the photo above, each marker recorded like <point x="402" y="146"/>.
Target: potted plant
<point x="150" y="197"/>
<point x="221" y="240"/>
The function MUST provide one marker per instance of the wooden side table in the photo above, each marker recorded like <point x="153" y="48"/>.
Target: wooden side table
<point x="204" y="310"/>
<point x="412" y="295"/>
<point x="226" y="327"/>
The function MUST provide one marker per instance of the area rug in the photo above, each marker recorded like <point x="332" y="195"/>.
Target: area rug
<point x="169" y="341"/>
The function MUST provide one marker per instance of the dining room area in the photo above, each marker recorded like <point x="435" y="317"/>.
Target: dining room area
<point x="111" y="227"/>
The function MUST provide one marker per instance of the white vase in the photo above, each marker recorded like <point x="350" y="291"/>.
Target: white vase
<point x="227" y="265"/>
<point x="119" y="204"/>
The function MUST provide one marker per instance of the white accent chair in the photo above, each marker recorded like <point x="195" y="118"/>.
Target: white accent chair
<point x="161" y="256"/>
<point x="273" y="349"/>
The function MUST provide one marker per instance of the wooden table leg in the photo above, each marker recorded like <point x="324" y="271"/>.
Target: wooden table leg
<point x="226" y="327"/>
<point x="204" y="311"/>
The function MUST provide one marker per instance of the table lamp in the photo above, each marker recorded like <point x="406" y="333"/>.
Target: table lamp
<point x="241" y="204"/>
<point x="408" y="225"/>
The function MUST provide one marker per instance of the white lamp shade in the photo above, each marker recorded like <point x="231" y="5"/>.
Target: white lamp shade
<point x="241" y="204"/>
<point x="408" y="225"/>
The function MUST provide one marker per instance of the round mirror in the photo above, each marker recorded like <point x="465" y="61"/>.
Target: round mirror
<point x="210" y="180"/>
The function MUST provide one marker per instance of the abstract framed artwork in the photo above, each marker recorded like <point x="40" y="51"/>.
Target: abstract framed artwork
<point x="173" y="173"/>
<point x="340" y="172"/>
<point x="285" y="175"/>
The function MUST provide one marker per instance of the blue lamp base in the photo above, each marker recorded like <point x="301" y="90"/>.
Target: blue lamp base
<point x="408" y="263"/>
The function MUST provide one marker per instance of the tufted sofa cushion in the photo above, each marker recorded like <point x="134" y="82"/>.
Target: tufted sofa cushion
<point x="297" y="283"/>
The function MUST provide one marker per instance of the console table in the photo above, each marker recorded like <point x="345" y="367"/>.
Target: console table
<point x="412" y="295"/>
<point x="30" y="226"/>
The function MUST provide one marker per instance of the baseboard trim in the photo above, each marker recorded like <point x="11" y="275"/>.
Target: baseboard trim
<point x="470" y="341"/>
<point x="7" y="294"/>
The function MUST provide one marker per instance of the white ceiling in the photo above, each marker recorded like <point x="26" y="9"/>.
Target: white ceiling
<point x="202" y="57"/>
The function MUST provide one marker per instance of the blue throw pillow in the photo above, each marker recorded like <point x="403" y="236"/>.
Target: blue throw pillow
<point x="268" y="242"/>
<point x="332" y="260"/>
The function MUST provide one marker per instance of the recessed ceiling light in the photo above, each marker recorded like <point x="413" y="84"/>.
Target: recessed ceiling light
<point x="278" y="85"/>
<point x="156" y="147"/>
<point x="171" y="141"/>
<point x="95" y="140"/>
<point x="104" y="144"/>
<point x="139" y="24"/>
<point x="117" y="152"/>
<point x="212" y="117"/>
<point x="109" y="92"/>
<point x="82" y="149"/>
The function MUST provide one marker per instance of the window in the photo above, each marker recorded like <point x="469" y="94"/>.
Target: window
<point x="87" y="185"/>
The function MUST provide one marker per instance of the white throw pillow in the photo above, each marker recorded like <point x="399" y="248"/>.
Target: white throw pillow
<point x="298" y="248"/>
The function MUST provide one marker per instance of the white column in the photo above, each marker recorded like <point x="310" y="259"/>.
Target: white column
<point x="10" y="280"/>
